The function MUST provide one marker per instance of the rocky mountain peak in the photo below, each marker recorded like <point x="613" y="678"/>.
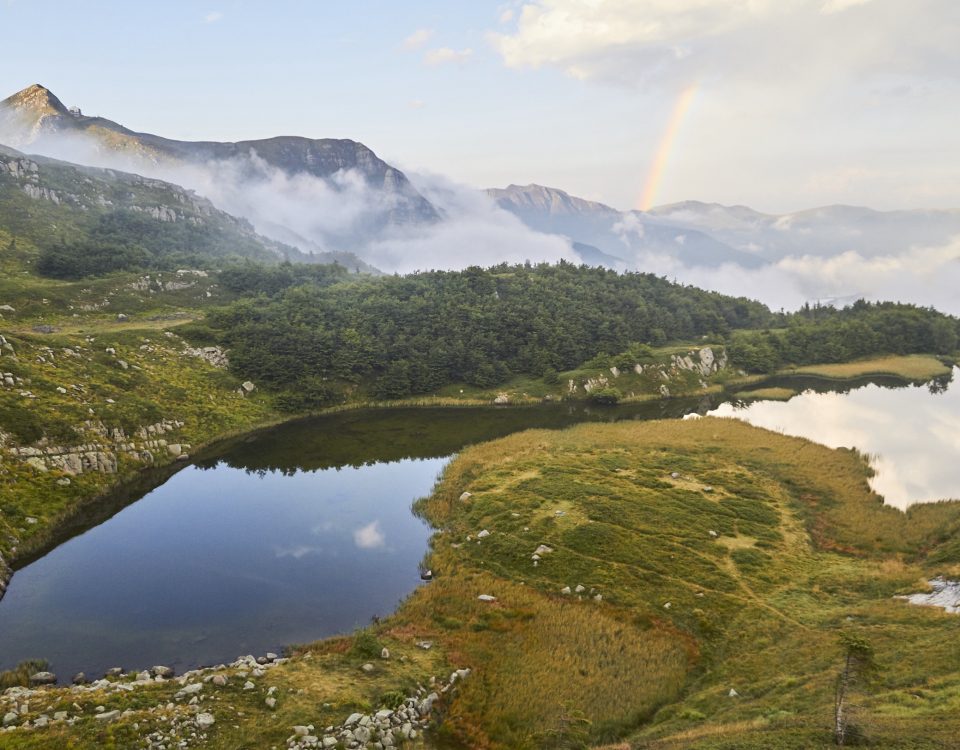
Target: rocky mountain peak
<point x="36" y="100"/>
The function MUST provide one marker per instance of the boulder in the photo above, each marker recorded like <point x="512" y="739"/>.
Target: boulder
<point x="483" y="534"/>
<point x="163" y="672"/>
<point x="487" y="598"/>
<point x="79" y="678"/>
<point x="248" y="387"/>
<point x="43" y="678"/>
<point x="205" y="720"/>
<point x="502" y="399"/>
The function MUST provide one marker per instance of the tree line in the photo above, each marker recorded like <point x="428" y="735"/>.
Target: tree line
<point x="395" y="336"/>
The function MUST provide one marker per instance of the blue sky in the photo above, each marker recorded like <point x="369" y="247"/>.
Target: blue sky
<point x="798" y="102"/>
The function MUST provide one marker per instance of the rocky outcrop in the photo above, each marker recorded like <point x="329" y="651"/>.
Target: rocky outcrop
<point x="214" y="355"/>
<point x="704" y="363"/>
<point x="943" y="593"/>
<point x="386" y="727"/>
<point x="143" y="446"/>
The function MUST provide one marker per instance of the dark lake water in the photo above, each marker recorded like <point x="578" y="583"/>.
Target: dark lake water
<point x="305" y="530"/>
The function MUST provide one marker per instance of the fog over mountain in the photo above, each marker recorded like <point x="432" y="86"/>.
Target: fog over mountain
<point x="337" y="195"/>
<point x="320" y="195"/>
<point x="830" y="254"/>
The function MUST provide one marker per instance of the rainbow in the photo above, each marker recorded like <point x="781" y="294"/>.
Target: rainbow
<point x="666" y="146"/>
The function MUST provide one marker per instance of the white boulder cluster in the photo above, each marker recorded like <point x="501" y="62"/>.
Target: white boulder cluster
<point x="382" y="729"/>
<point x="703" y="362"/>
<point x="180" y="723"/>
<point x="943" y="593"/>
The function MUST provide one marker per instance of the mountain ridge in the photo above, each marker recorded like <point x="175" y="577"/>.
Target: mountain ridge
<point x="34" y="119"/>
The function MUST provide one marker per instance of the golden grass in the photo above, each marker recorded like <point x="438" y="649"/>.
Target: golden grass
<point x="911" y="367"/>
<point x="756" y="608"/>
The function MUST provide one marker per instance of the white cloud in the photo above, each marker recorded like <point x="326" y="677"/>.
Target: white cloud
<point x="838" y="6"/>
<point x="641" y="42"/>
<point x="297" y="552"/>
<point x="213" y="16"/>
<point x="445" y="55"/>
<point x="369" y="536"/>
<point x="927" y="276"/>
<point x="417" y="104"/>
<point x="628" y="224"/>
<point x="474" y="232"/>
<point x="417" y="39"/>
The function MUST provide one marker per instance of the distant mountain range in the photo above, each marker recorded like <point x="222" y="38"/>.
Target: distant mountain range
<point x="710" y="234"/>
<point x="334" y="199"/>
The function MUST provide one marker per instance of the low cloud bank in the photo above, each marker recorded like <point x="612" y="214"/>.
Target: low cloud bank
<point x="926" y="276"/>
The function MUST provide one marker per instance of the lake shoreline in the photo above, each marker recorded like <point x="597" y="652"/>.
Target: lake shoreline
<point x="126" y="487"/>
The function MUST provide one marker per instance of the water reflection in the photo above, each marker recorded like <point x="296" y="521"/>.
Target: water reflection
<point x="911" y="433"/>
<point x="305" y="530"/>
<point x="216" y="564"/>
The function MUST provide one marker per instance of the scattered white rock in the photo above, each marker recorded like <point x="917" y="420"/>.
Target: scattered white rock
<point x="205" y="720"/>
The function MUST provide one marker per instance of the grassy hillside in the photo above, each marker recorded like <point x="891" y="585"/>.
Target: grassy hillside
<point x="739" y="573"/>
<point x="686" y="560"/>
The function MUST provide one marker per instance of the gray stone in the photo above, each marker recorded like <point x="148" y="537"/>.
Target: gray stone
<point x="205" y="720"/>
<point x="164" y="672"/>
<point x="487" y="598"/>
<point x="43" y="678"/>
<point x="107" y="715"/>
<point x="10" y="718"/>
<point x="79" y="678"/>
